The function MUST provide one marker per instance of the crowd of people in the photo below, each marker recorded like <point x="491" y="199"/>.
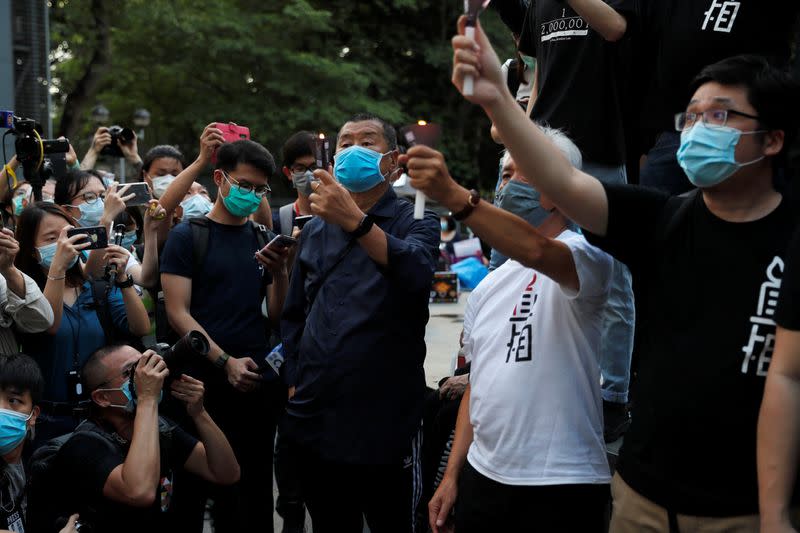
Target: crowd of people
<point x="214" y="342"/>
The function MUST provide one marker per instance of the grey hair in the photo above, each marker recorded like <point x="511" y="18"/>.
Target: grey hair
<point x="562" y="142"/>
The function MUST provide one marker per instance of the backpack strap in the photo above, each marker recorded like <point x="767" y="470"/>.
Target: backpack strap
<point x="285" y="217"/>
<point x="200" y="234"/>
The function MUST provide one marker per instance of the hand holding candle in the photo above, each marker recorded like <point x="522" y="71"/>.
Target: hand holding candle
<point x="472" y="9"/>
<point x="427" y="135"/>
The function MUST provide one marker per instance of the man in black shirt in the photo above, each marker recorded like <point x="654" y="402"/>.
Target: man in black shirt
<point x="117" y="470"/>
<point x="709" y="266"/>
<point x="678" y="38"/>
<point x="779" y="422"/>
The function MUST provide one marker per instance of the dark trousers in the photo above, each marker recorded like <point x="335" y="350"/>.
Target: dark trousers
<point x="248" y="421"/>
<point x="661" y="170"/>
<point x="289" y="503"/>
<point x="338" y="495"/>
<point x="486" y="505"/>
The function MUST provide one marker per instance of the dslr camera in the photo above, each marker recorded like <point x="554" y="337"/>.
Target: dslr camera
<point x="193" y="347"/>
<point x="118" y="133"/>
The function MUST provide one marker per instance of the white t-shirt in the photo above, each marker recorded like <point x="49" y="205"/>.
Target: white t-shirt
<point x="535" y="404"/>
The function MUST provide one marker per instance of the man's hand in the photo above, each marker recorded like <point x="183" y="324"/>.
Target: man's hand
<point x="454" y="387"/>
<point x="429" y="174"/>
<point x="333" y="204"/>
<point x="782" y="526"/>
<point x="441" y="505"/>
<point x="273" y="260"/>
<point x="70" y="525"/>
<point x="130" y="150"/>
<point x="151" y="371"/>
<point x="241" y="373"/>
<point x="191" y="392"/>
<point x="115" y="203"/>
<point x="210" y="140"/>
<point x="292" y="390"/>
<point x="101" y="139"/>
<point x="9" y="247"/>
<point x="477" y="59"/>
<point x="72" y="157"/>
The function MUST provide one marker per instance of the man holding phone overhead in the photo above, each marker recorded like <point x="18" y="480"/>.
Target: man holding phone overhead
<point x="353" y="333"/>
<point x="219" y="291"/>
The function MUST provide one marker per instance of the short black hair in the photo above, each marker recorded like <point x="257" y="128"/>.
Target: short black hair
<point x="389" y="133"/>
<point x="771" y="91"/>
<point x="162" y="150"/>
<point x="20" y="371"/>
<point x="68" y="185"/>
<point x="93" y="371"/>
<point x="298" y="145"/>
<point x="229" y="155"/>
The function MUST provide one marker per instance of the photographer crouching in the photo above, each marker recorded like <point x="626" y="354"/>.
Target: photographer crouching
<point x="117" y="469"/>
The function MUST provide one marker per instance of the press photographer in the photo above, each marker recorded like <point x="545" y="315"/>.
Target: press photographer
<point x="118" y="467"/>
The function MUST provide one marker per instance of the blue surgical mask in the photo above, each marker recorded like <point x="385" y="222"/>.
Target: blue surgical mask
<point x="91" y="213"/>
<point x="13" y="429"/>
<point x="443" y="225"/>
<point x="130" y="405"/>
<point x="196" y="205"/>
<point x="358" y="169"/>
<point x="48" y="252"/>
<point x="129" y="239"/>
<point x="302" y="182"/>
<point x="161" y="184"/>
<point x="708" y="153"/>
<point x="522" y="200"/>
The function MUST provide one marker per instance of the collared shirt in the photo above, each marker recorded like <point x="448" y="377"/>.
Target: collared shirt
<point x="355" y="346"/>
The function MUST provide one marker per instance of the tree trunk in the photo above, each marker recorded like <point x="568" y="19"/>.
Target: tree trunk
<point x="80" y="96"/>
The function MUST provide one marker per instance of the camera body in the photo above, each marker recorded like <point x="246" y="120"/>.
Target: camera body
<point x="118" y="133"/>
<point x="191" y="348"/>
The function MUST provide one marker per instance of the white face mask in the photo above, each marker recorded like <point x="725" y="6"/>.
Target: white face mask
<point x="161" y="183"/>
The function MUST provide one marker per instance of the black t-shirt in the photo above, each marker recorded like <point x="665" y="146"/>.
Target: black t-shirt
<point x="12" y="497"/>
<point x="227" y="293"/>
<point x="83" y="465"/>
<point x="705" y="318"/>
<point x="683" y="36"/>
<point x="788" y="313"/>
<point x="581" y="77"/>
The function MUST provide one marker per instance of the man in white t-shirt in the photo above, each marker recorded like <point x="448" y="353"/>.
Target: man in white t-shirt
<point x="529" y="446"/>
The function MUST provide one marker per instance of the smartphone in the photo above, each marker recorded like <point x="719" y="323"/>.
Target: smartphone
<point x="322" y="152"/>
<point x="142" y="192"/>
<point x="230" y="132"/>
<point x="281" y="241"/>
<point x="302" y="220"/>
<point x="97" y="236"/>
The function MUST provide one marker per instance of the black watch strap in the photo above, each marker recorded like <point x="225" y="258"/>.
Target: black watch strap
<point x="124" y="284"/>
<point x="366" y="224"/>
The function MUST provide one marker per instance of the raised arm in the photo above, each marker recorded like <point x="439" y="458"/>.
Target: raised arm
<point x="602" y="18"/>
<point x="578" y="196"/>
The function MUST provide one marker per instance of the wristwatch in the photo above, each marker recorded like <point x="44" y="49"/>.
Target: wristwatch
<point x="363" y="228"/>
<point x="124" y="284"/>
<point x="220" y="361"/>
<point x="473" y="200"/>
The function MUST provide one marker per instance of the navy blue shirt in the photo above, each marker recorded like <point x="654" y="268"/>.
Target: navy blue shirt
<point x="355" y="346"/>
<point x="227" y="292"/>
<point x="79" y="335"/>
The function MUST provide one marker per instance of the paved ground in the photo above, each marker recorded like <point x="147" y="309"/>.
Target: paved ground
<point x="441" y="337"/>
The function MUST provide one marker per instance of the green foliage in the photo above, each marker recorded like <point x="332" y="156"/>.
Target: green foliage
<point x="280" y="66"/>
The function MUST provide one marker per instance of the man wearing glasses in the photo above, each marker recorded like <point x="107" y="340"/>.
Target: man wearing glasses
<point x="298" y="165"/>
<point x="709" y="266"/>
<point x="221" y="295"/>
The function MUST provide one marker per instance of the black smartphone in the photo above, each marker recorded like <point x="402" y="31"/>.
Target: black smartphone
<point x="281" y="241"/>
<point x="97" y="236"/>
<point x="302" y="220"/>
<point x="322" y="152"/>
<point x="142" y="192"/>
